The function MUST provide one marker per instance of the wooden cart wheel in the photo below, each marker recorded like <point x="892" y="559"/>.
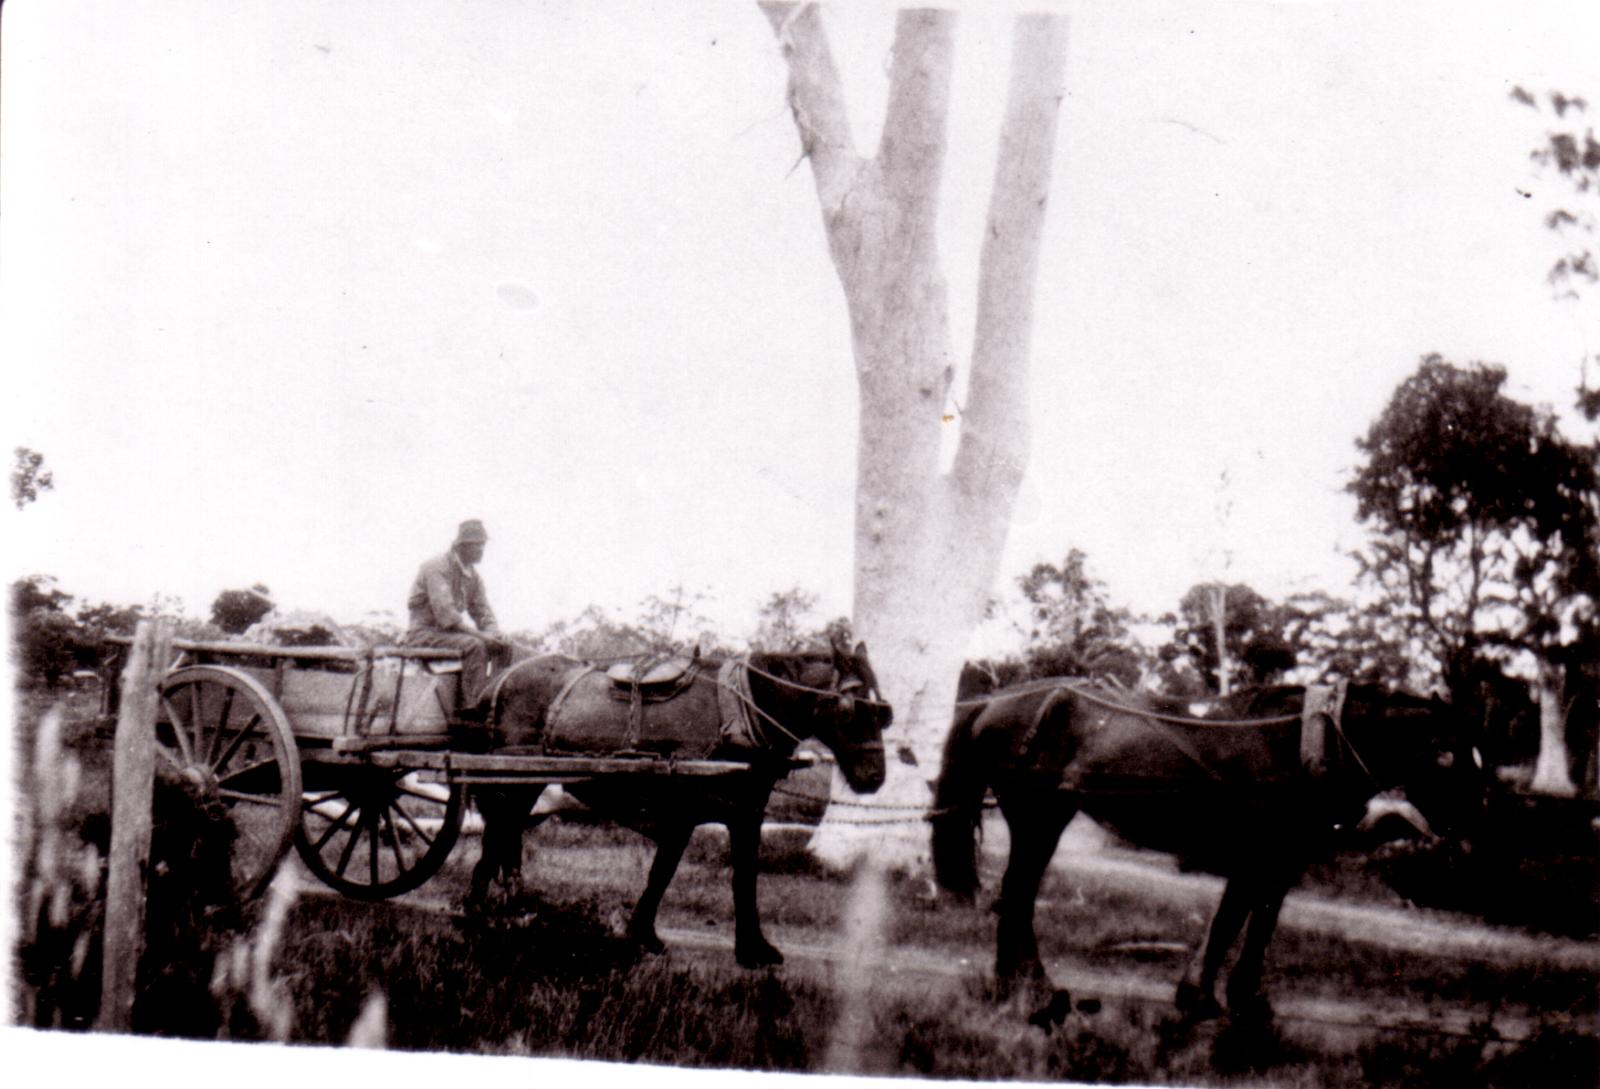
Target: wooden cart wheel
<point x="377" y="832"/>
<point x="222" y="729"/>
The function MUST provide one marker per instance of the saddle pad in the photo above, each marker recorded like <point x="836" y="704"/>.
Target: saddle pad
<point x="590" y="719"/>
<point x="649" y="672"/>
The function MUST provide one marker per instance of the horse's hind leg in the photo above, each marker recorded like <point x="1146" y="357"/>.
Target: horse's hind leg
<point x="1197" y="990"/>
<point x="1245" y="997"/>
<point x="1035" y="832"/>
<point x="671" y="839"/>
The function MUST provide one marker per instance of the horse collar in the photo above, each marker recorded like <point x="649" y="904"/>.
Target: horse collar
<point x="1320" y="717"/>
<point x="734" y="701"/>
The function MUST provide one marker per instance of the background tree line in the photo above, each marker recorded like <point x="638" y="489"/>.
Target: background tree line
<point x="1479" y="579"/>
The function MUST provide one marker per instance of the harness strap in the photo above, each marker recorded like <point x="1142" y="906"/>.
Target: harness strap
<point x="554" y="711"/>
<point x="1053" y="697"/>
<point x="1078" y="688"/>
<point x="635" y="714"/>
<point x="492" y="695"/>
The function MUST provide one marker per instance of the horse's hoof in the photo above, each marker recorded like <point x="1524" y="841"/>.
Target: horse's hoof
<point x="1250" y="1010"/>
<point x="1052" y="1013"/>
<point x="649" y="944"/>
<point x="754" y="955"/>
<point x="1010" y="985"/>
<point x="1197" y="1005"/>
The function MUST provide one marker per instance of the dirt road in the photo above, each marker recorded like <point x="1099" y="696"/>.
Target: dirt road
<point x="929" y="970"/>
<point x="1304" y="1007"/>
<point x="1147" y="874"/>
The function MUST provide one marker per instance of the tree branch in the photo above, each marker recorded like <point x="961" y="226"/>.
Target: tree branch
<point x="911" y="149"/>
<point x="817" y="100"/>
<point x="995" y="434"/>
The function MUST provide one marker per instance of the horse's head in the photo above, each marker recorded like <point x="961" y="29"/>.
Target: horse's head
<point x="833" y="698"/>
<point x="853" y="726"/>
<point x="1423" y="748"/>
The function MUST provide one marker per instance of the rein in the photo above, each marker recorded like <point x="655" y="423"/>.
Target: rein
<point x="1338" y="728"/>
<point x="1176" y="720"/>
<point x="874" y="699"/>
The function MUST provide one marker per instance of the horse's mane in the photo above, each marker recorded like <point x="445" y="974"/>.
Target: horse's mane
<point x="790" y="665"/>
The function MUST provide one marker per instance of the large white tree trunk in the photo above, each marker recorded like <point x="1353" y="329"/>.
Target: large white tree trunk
<point x="1219" y="632"/>
<point x="927" y="542"/>
<point x="1552" y="773"/>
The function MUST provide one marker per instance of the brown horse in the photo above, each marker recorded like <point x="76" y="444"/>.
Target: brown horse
<point x="1251" y="790"/>
<point x="754" y="710"/>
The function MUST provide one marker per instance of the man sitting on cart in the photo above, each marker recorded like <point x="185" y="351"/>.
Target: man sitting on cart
<point x="449" y="608"/>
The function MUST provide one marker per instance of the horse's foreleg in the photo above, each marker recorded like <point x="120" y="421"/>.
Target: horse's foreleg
<point x="750" y="947"/>
<point x="1245" y="997"/>
<point x="671" y="839"/>
<point x="1034" y="836"/>
<point x="1197" y="991"/>
<point x="505" y="816"/>
<point x="489" y="805"/>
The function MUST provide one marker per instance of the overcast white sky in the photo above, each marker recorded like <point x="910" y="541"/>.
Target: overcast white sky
<point x="292" y="288"/>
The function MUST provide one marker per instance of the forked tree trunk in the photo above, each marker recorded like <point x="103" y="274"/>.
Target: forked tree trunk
<point x="1219" y="632"/>
<point x="1552" y="773"/>
<point x="927" y="542"/>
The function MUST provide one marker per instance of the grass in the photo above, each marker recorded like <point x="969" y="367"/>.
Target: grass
<point x="548" y="976"/>
<point x="550" y="980"/>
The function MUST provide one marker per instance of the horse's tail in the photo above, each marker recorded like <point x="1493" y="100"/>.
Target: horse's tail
<point x="957" y="807"/>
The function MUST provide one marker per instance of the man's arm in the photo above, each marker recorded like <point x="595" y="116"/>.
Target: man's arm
<point x="441" y="602"/>
<point x="478" y="607"/>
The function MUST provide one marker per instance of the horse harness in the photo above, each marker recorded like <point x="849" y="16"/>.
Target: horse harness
<point x="637" y="681"/>
<point x="656" y="680"/>
<point x="1321" y="715"/>
<point x="1321" y="726"/>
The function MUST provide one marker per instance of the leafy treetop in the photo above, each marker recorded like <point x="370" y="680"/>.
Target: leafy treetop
<point x="29" y="477"/>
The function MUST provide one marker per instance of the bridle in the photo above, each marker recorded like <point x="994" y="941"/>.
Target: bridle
<point x="845" y="691"/>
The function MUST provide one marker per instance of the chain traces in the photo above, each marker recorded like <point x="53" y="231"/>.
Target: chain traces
<point x="924" y="813"/>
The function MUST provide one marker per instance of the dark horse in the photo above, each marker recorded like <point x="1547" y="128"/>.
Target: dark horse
<point x="1252" y="790"/>
<point x="754" y="710"/>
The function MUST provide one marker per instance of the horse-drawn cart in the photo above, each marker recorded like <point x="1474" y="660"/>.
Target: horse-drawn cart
<point x="346" y="752"/>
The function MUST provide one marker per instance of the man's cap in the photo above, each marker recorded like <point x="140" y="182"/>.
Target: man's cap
<point x="471" y="531"/>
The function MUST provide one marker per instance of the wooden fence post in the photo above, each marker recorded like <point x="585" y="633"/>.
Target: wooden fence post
<point x="132" y="784"/>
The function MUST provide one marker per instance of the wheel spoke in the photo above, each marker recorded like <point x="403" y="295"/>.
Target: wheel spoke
<point x="222" y="726"/>
<point x="234" y="776"/>
<point x="372" y="854"/>
<point x="178" y="732"/>
<point x="238" y="739"/>
<point x="350" y="845"/>
<point x="394" y="843"/>
<point x="253" y="799"/>
<point x="312" y="801"/>
<point x="169" y="756"/>
<point x="416" y="829"/>
<point x="196" y="729"/>
<point x="334" y="826"/>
